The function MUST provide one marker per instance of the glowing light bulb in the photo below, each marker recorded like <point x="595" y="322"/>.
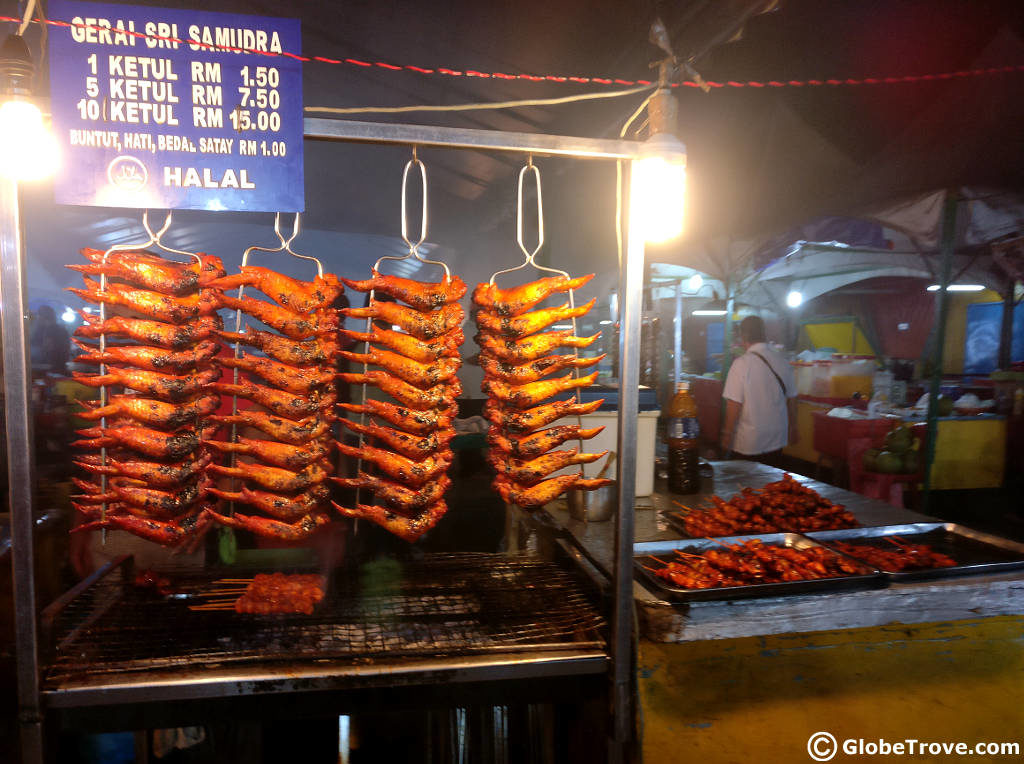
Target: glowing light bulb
<point x="794" y="299"/>
<point x="659" y="193"/>
<point x="31" y="150"/>
<point x="68" y="316"/>
<point x="696" y="282"/>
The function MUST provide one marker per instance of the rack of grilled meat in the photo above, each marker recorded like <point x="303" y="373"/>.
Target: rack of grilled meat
<point x="155" y="336"/>
<point x="516" y="357"/>
<point x="279" y="472"/>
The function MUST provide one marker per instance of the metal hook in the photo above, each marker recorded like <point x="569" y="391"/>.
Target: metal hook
<point x="296" y="227"/>
<point x="414" y="162"/>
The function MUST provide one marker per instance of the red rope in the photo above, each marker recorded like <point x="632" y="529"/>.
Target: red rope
<point x="900" y="80"/>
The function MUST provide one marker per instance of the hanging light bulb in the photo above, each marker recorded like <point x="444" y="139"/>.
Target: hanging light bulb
<point x="659" y="175"/>
<point x="794" y="299"/>
<point x="30" y="150"/>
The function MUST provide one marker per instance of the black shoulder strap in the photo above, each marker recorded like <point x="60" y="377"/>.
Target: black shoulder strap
<point x="782" y="385"/>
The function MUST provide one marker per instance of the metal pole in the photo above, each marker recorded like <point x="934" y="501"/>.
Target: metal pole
<point x="677" y="337"/>
<point x="631" y="282"/>
<point x="20" y="478"/>
<point x="946" y="246"/>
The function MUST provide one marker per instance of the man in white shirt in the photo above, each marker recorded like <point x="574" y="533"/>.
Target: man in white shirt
<point x="760" y="399"/>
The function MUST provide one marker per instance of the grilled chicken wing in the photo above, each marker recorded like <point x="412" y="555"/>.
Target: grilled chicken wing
<point x="516" y="300"/>
<point x="279" y="402"/>
<point x="532" y="446"/>
<point x="158" y="503"/>
<point x="528" y="323"/>
<point x="160" y="276"/>
<point x="439" y="397"/>
<point x="532" y="371"/>
<point x="521" y="422"/>
<point x="422" y="375"/>
<point x="296" y="295"/>
<point x="176" y="310"/>
<point x="151" y="411"/>
<point x="160" y="445"/>
<point x="165" y="533"/>
<point x="274" y="478"/>
<point x="150" y="358"/>
<point x="274" y="529"/>
<point x="156" y="474"/>
<point x="445" y="346"/>
<point x="174" y="388"/>
<point x="287" y="508"/>
<point x="396" y="495"/>
<point x="422" y="295"/>
<point x="536" y="495"/>
<point x="294" y="379"/>
<point x="529" y="472"/>
<point x="304" y="353"/>
<point x="290" y="431"/>
<point x="409" y="420"/>
<point x="279" y="454"/>
<point x="414" y="446"/>
<point x="407" y="528"/>
<point x="532" y="393"/>
<point x="150" y="332"/>
<point x="530" y="348"/>
<point x="208" y="268"/>
<point x="410" y="473"/>
<point x="297" y="326"/>
<point x="422" y="324"/>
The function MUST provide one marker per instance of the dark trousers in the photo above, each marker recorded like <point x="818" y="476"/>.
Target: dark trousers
<point x="771" y="458"/>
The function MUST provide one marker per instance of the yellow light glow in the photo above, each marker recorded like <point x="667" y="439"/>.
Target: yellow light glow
<point x="30" y="151"/>
<point x="658" y="197"/>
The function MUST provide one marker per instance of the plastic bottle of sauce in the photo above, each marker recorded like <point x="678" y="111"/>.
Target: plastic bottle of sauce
<point x="681" y="435"/>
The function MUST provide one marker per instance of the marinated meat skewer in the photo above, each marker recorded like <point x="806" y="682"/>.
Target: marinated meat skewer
<point x="419" y="294"/>
<point x="149" y="332"/>
<point x="406" y="444"/>
<point x="176" y="310"/>
<point x="424" y="325"/>
<point x="528" y="323"/>
<point x="422" y="375"/>
<point x="296" y="295"/>
<point x="517" y="300"/>
<point x="173" y="388"/>
<point x="151" y="411"/>
<point x="150" y="358"/>
<point x="296" y="326"/>
<point x="279" y="454"/>
<point x="318" y="350"/>
<point x="445" y="346"/>
<point x="409" y="420"/>
<point x="281" y="403"/>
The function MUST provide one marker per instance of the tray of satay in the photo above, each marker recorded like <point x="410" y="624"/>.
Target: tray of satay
<point x="738" y="567"/>
<point x="920" y="551"/>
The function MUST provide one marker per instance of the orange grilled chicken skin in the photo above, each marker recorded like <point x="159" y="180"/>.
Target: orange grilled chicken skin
<point x="445" y="346"/>
<point x="532" y="371"/>
<point x="422" y="295"/>
<point x="150" y="358"/>
<point x="286" y="508"/>
<point x="293" y="379"/>
<point x="422" y="324"/>
<point x="165" y="533"/>
<point x="397" y="495"/>
<point x="439" y="397"/>
<point x="532" y="393"/>
<point x="274" y="478"/>
<point x="407" y="528"/>
<point x="275" y="529"/>
<point x="294" y="353"/>
<point x="160" y="445"/>
<point x="530" y="348"/>
<point x="159" y="503"/>
<point x="279" y="402"/>
<point x="532" y="446"/>
<point x="422" y="375"/>
<point x="295" y="432"/>
<point x="528" y="323"/>
<point x="409" y="420"/>
<point x="176" y="310"/>
<point x="410" y="473"/>
<point x="516" y="300"/>
<point x="531" y="471"/>
<point x="208" y="268"/>
<point x="517" y="421"/>
<point x="544" y="491"/>
<point x="171" y="387"/>
<point x="296" y="295"/>
<point x="151" y="411"/>
<point x="156" y="474"/>
<point x="279" y="454"/>
<point x="150" y="332"/>
<point x="413" y="446"/>
<point x="296" y="326"/>
<point x="164" y="277"/>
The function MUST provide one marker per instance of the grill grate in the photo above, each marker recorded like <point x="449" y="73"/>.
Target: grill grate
<point x="442" y="604"/>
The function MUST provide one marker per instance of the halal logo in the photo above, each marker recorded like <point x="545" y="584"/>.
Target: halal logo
<point x="127" y="173"/>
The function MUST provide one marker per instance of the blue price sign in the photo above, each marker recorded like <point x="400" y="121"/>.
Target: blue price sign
<point x="159" y="108"/>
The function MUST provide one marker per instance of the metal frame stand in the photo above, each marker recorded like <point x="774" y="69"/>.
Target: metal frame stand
<point x="19" y="431"/>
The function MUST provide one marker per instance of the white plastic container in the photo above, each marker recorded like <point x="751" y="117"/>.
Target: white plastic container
<point x="647" y="425"/>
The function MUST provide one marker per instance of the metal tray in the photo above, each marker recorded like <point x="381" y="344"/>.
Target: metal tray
<point x="677" y="524"/>
<point x="871" y="577"/>
<point x="976" y="552"/>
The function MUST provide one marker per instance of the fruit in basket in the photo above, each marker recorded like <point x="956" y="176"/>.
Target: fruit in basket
<point x="889" y="462"/>
<point x="869" y="459"/>
<point x="899" y="440"/>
